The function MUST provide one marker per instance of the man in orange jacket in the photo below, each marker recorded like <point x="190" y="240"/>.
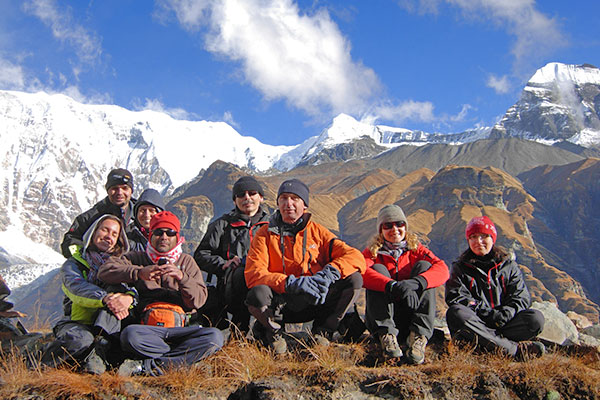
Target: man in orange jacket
<point x="298" y="271"/>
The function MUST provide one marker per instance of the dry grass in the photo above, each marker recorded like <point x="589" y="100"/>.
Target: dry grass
<point x="320" y="372"/>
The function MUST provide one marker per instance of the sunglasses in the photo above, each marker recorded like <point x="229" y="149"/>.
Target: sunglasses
<point x="390" y="225"/>
<point x="159" y="232"/>
<point x="250" y="193"/>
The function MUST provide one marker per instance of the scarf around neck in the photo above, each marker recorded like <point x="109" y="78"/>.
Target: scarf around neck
<point x="393" y="249"/>
<point x="172" y="255"/>
<point x="95" y="259"/>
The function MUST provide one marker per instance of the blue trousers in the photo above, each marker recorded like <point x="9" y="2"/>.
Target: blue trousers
<point x="171" y="346"/>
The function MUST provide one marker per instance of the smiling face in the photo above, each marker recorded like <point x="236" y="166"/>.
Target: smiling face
<point x="291" y="207"/>
<point x="119" y="195"/>
<point x="145" y="214"/>
<point x="163" y="239"/>
<point x="106" y="235"/>
<point x="480" y="243"/>
<point x="393" y="232"/>
<point x="248" y="202"/>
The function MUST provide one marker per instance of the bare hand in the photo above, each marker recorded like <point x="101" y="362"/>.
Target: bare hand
<point x="150" y="273"/>
<point x="234" y="262"/>
<point x="118" y="304"/>
<point x="171" y="270"/>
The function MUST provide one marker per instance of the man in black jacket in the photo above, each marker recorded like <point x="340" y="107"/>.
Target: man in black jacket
<point x="119" y="187"/>
<point x="222" y="252"/>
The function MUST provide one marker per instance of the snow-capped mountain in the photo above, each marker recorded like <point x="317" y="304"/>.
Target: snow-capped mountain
<point x="56" y="152"/>
<point x="560" y="103"/>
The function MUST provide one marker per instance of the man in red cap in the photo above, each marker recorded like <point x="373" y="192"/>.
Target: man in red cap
<point x="488" y="299"/>
<point x="118" y="202"/>
<point x="164" y="274"/>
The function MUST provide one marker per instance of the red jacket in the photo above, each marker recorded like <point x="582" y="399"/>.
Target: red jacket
<point x="435" y="276"/>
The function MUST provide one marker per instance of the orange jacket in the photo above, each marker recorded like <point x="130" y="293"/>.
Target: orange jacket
<point x="265" y="265"/>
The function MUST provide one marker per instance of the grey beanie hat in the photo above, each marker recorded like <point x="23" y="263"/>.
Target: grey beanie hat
<point x="390" y="213"/>
<point x="295" y="186"/>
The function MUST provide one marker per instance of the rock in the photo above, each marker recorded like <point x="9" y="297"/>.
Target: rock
<point x="593" y="330"/>
<point x="580" y="321"/>
<point x="558" y="327"/>
<point x="587" y="340"/>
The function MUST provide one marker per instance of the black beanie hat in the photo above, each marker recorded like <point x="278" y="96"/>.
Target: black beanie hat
<point x="246" y="183"/>
<point x="119" y="176"/>
<point x="296" y="187"/>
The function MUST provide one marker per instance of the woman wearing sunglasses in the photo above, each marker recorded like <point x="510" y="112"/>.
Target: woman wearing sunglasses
<point x="401" y="278"/>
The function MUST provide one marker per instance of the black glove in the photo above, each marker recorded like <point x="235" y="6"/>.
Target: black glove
<point x="495" y="317"/>
<point x="324" y="279"/>
<point x="405" y="291"/>
<point x="304" y="285"/>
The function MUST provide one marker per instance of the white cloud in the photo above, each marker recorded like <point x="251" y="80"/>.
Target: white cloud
<point x="157" y="105"/>
<point x="405" y="111"/>
<point x="303" y="59"/>
<point x="500" y="84"/>
<point x="86" y="44"/>
<point x="228" y="117"/>
<point x="12" y="76"/>
<point x="536" y="35"/>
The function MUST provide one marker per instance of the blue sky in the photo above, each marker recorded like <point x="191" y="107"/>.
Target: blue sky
<point x="280" y="70"/>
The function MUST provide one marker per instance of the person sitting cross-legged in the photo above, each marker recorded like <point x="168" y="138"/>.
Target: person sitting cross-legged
<point x="166" y="279"/>
<point x="488" y="299"/>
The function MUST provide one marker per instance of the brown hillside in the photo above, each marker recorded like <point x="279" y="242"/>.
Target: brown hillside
<point x="345" y="197"/>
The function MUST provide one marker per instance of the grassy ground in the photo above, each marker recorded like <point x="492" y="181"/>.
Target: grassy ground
<point x="243" y="370"/>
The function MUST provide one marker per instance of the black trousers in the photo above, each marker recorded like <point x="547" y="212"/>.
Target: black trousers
<point x="74" y="340"/>
<point x="293" y="308"/>
<point x="384" y="315"/>
<point x="464" y="323"/>
<point x="229" y="296"/>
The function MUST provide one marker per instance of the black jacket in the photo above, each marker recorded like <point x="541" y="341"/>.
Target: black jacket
<point x="226" y="237"/>
<point x="83" y="221"/>
<point x="495" y="284"/>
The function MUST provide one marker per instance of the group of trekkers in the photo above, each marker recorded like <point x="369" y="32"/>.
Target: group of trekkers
<point x="135" y="302"/>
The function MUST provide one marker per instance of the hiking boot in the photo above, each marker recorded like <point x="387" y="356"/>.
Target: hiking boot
<point x="94" y="364"/>
<point x="277" y="343"/>
<point x="529" y="349"/>
<point x="131" y="367"/>
<point x="322" y="337"/>
<point x="389" y="346"/>
<point x="416" y="348"/>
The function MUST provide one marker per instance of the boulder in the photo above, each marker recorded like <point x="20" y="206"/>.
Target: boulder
<point x="580" y="321"/>
<point x="593" y="331"/>
<point x="558" y="328"/>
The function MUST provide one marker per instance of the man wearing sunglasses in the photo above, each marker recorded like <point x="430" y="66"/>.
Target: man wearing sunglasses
<point x="118" y="202"/>
<point x="222" y="253"/>
<point x="162" y="273"/>
<point x="298" y="271"/>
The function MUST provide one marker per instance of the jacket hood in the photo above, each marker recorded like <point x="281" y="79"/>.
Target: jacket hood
<point x="149" y="197"/>
<point x="87" y="236"/>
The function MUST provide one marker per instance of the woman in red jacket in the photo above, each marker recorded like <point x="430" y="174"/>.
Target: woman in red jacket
<point x="401" y="278"/>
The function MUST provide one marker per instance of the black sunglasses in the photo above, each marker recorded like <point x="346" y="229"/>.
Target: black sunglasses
<point x="390" y="225"/>
<point x="159" y="232"/>
<point x="250" y="193"/>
